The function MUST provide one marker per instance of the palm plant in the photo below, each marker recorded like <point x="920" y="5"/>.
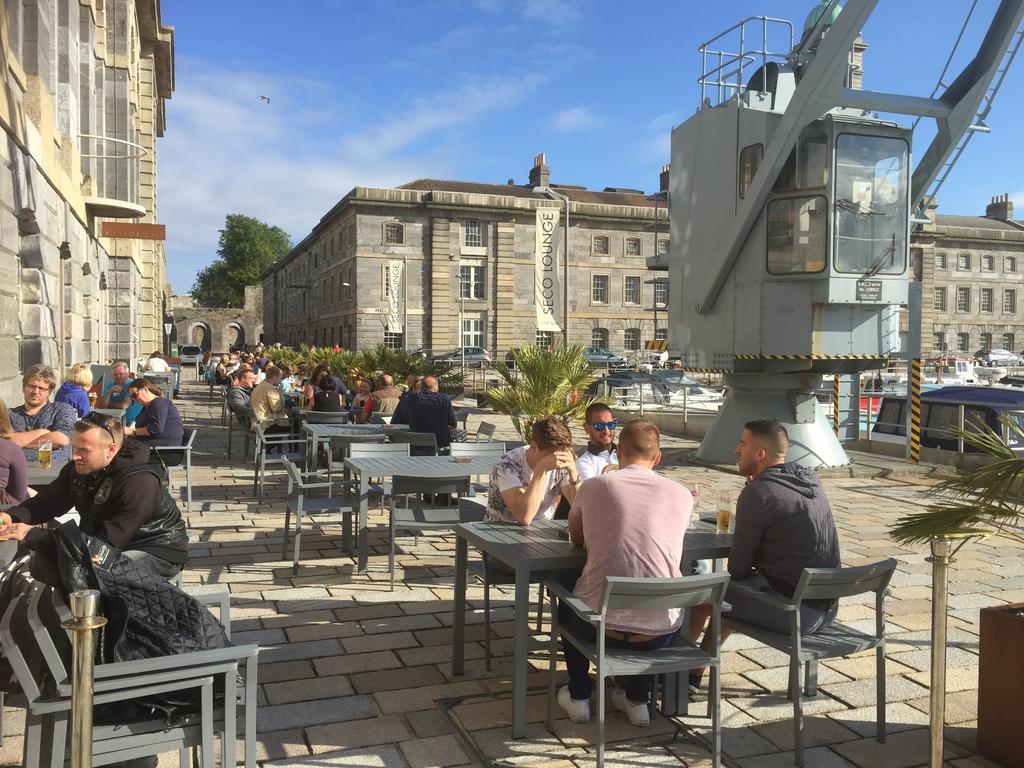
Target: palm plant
<point x="353" y="365"/>
<point x="547" y="382"/>
<point x="983" y="502"/>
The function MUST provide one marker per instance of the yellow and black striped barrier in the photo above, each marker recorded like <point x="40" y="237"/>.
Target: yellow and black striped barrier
<point x="915" y="411"/>
<point x="835" y="404"/>
<point x="812" y="357"/>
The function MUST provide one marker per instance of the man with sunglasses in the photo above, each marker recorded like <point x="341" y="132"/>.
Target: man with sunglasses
<point x="120" y="496"/>
<point x="601" y="450"/>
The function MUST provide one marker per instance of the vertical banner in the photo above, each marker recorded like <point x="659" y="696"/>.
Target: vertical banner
<point x="394" y="298"/>
<point x="547" y="292"/>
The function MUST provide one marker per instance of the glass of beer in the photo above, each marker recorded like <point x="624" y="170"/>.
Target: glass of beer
<point x="45" y="454"/>
<point x="723" y="514"/>
<point x="301" y="399"/>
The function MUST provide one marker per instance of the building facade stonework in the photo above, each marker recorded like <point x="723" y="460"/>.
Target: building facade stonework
<point x="84" y="91"/>
<point x="216" y="329"/>
<point x="467" y="255"/>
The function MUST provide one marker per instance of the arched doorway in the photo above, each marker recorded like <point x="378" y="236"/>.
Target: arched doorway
<point x="199" y="334"/>
<point x="235" y="336"/>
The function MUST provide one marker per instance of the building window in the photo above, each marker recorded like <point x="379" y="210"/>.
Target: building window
<point x="1010" y="301"/>
<point x="1008" y="342"/>
<point x="473" y="234"/>
<point x="986" y="300"/>
<point x="632" y="246"/>
<point x="662" y="247"/>
<point x="986" y="341"/>
<point x="661" y="334"/>
<point x="962" y="341"/>
<point x="394" y="233"/>
<point x="393" y="340"/>
<point x="473" y="330"/>
<point x="599" y="338"/>
<point x="963" y="299"/>
<point x="988" y="263"/>
<point x="939" y="301"/>
<point x="660" y="292"/>
<point x="963" y="262"/>
<point x="599" y="289"/>
<point x="631" y="339"/>
<point x="939" y="342"/>
<point x="599" y="245"/>
<point x="631" y="289"/>
<point x="1010" y="264"/>
<point x="545" y="339"/>
<point x="471" y="281"/>
<point x="940" y="261"/>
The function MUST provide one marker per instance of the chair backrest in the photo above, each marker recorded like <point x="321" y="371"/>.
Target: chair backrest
<point x="325" y="417"/>
<point x="378" y="449"/>
<point x="662" y="594"/>
<point x="381" y="417"/>
<point x="45" y="620"/>
<point x="400" y="485"/>
<point x="294" y="477"/>
<point x="172" y="455"/>
<point x="496" y="449"/>
<point x="19" y="647"/>
<point x="834" y="583"/>
<point x="486" y="429"/>
<point x="419" y="439"/>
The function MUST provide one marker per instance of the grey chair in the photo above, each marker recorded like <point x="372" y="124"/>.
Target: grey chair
<point x="223" y="403"/>
<point x="271" y="450"/>
<point x="484" y="429"/>
<point x="325" y="417"/>
<point x="364" y="448"/>
<point x="39" y="652"/>
<point x="835" y="641"/>
<point x="421" y="443"/>
<point x="243" y="417"/>
<point x="301" y="503"/>
<point x="173" y="457"/>
<point x="493" y="450"/>
<point x="421" y="516"/>
<point x="637" y="595"/>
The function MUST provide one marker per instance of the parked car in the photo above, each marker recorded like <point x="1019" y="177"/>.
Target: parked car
<point x="940" y="411"/>
<point x="602" y="357"/>
<point x="475" y="357"/>
<point x="997" y="357"/>
<point x="190" y="354"/>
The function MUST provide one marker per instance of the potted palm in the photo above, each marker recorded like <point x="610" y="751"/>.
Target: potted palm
<point x="543" y="382"/>
<point x="984" y="502"/>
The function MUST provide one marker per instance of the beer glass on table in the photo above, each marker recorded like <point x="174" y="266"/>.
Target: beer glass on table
<point x="723" y="514"/>
<point x="45" y="454"/>
<point x="695" y="492"/>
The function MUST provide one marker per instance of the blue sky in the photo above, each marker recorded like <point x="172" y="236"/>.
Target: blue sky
<point x="377" y="93"/>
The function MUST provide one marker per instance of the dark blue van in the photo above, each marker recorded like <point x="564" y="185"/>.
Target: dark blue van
<point x="940" y="411"/>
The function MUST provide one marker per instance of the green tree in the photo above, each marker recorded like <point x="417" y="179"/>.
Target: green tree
<point x="246" y="248"/>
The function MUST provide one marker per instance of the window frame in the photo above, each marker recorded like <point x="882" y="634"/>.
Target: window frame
<point x="991" y="296"/>
<point x="473" y="283"/>
<point x="384" y="232"/>
<point x="544" y="340"/>
<point x="639" y="246"/>
<point x="825" y="235"/>
<point x="939" y="304"/>
<point x="741" y="187"/>
<point x="964" y="291"/>
<point x="466" y="231"/>
<point x="941" y="261"/>
<point x="605" y="337"/>
<point x="988" y="263"/>
<point x="631" y="341"/>
<point x="389" y="338"/>
<point x="963" y="342"/>
<point x="1010" y="264"/>
<point x="1010" y="307"/>
<point x="661" y="285"/>
<point x="963" y="262"/>
<point x="639" y="290"/>
<point x="607" y="288"/>
<point x="593" y="245"/>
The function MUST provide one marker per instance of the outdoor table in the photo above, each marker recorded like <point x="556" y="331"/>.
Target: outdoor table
<point x="527" y="549"/>
<point x="38" y="476"/>
<point x="317" y="433"/>
<point x="429" y="467"/>
<point x="542" y="546"/>
<point x="114" y="413"/>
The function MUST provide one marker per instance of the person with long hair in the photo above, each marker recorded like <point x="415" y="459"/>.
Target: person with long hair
<point x="160" y="421"/>
<point x="13" y="467"/>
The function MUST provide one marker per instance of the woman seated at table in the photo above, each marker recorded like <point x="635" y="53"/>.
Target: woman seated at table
<point x="325" y="398"/>
<point x="362" y="404"/>
<point x="160" y="421"/>
<point x="221" y="375"/>
<point x="77" y="380"/>
<point x="13" y="467"/>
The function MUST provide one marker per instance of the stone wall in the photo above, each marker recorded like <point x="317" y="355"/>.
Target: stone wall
<point x="217" y="329"/>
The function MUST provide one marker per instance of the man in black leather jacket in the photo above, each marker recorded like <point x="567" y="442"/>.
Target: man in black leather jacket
<point x="120" y="496"/>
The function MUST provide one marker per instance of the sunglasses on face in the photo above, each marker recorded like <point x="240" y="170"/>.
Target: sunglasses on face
<point x="599" y="426"/>
<point x="98" y="420"/>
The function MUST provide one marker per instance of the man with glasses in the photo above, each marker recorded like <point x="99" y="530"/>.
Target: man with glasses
<point x="39" y="421"/>
<point x="119" y="495"/>
<point x="601" y="450"/>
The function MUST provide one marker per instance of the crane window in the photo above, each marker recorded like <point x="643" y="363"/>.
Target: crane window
<point x="797" y="235"/>
<point x="750" y="159"/>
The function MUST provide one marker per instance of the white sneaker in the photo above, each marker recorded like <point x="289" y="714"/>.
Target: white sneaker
<point x="578" y="710"/>
<point x="638" y="714"/>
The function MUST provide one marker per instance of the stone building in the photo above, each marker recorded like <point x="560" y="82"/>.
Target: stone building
<point x="972" y="273"/>
<point x="466" y="252"/>
<point x="216" y="329"/>
<point x="84" y="89"/>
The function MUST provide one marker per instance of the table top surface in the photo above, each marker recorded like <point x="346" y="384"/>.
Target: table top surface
<point x="421" y="466"/>
<point x="343" y="430"/>
<point x="39" y="476"/>
<point x="114" y="413"/>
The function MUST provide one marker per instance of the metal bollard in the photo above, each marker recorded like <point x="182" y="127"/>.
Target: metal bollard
<point x="84" y="621"/>
<point x="940" y="560"/>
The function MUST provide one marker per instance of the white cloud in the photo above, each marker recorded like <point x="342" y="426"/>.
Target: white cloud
<point x="1017" y="198"/>
<point x="289" y="161"/>
<point x="557" y="12"/>
<point x="575" y="119"/>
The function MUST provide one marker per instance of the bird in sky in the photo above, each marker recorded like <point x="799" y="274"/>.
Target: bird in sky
<point x="265" y="98"/>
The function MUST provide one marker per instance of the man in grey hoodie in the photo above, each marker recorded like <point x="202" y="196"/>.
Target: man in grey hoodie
<point x="784" y="524"/>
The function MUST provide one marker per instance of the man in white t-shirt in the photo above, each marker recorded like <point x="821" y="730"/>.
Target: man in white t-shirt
<point x="527" y="482"/>
<point x="600" y="452"/>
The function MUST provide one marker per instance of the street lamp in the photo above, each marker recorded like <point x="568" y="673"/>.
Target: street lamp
<point x="547" y="190"/>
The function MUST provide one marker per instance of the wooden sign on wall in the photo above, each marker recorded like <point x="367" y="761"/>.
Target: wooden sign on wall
<point x="134" y="231"/>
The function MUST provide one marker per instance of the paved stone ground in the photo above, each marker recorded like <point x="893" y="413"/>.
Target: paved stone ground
<point x="352" y="674"/>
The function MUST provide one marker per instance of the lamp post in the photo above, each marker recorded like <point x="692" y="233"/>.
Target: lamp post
<point x="547" y="190"/>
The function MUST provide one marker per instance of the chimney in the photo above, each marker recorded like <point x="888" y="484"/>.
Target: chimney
<point x="663" y="178"/>
<point x="856" y="64"/>
<point x="1000" y="208"/>
<point x="540" y="174"/>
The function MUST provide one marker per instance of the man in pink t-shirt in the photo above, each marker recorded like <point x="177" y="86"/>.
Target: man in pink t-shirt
<point x="631" y="522"/>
